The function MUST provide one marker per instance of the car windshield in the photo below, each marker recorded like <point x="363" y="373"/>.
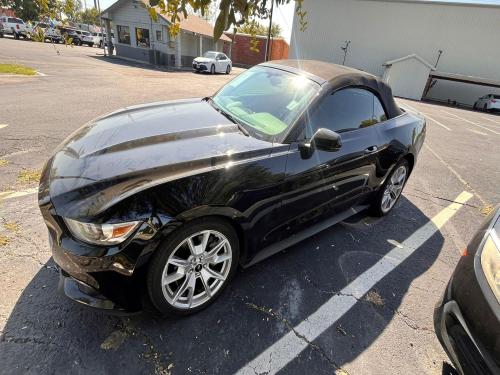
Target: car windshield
<point x="266" y="101"/>
<point x="210" y="55"/>
<point x="86" y="33"/>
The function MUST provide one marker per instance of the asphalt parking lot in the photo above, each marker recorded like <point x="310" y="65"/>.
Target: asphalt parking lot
<point x="355" y="299"/>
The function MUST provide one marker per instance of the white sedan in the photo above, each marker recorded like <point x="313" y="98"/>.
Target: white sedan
<point x="488" y="103"/>
<point x="213" y="62"/>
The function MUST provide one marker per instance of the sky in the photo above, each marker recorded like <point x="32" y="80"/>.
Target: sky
<point x="283" y="15"/>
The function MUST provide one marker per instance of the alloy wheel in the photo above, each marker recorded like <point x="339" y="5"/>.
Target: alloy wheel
<point x="196" y="269"/>
<point x="393" y="188"/>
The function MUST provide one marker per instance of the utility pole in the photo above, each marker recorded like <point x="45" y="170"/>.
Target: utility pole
<point x="440" y="52"/>
<point x="345" y="49"/>
<point x="102" y="28"/>
<point x="268" y="44"/>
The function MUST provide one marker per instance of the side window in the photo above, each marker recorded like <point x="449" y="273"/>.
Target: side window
<point x="379" y="114"/>
<point x="220" y="56"/>
<point x="344" y="110"/>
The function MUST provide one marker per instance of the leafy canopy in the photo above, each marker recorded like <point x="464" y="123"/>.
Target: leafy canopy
<point x="233" y="13"/>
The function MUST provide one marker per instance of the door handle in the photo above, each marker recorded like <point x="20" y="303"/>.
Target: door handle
<point x="371" y="149"/>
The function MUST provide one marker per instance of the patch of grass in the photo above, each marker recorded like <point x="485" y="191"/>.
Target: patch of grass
<point x="4" y="241"/>
<point x="3" y="162"/>
<point x="28" y="176"/>
<point x="12" y="227"/>
<point x="17" y="69"/>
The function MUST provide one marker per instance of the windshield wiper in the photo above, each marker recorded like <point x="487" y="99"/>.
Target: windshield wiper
<point x="228" y="116"/>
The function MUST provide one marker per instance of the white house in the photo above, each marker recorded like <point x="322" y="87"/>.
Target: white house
<point x="139" y="38"/>
<point x="459" y="39"/>
<point x="408" y="76"/>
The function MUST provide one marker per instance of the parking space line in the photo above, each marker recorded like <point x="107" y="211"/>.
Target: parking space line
<point x="3" y="126"/>
<point x="457" y="175"/>
<point x="477" y="132"/>
<point x="16" y="194"/>
<point x="286" y="349"/>
<point x="437" y="122"/>
<point x="486" y="118"/>
<point x="470" y="122"/>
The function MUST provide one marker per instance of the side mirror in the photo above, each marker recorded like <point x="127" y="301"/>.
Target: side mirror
<point x="324" y="140"/>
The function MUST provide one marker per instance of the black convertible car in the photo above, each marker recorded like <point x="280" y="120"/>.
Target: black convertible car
<point x="165" y="200"/>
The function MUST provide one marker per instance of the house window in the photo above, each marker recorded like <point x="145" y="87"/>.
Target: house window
<point x="142" y="37"/>
<point x="159" y="37"/>
<point x="123" y="34"/>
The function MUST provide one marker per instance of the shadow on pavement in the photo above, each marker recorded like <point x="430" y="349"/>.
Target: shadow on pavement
<point x="46" y="333"/>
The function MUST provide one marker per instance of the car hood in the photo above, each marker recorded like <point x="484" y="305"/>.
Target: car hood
<point x="203" y="60"/>
<point x="138" y="147"/>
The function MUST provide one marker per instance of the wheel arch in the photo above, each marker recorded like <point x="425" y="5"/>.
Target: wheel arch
<point x="410" y="158"/>
<point x="227" y="214"/>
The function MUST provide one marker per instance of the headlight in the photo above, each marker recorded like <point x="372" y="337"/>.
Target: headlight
<point x="490" y="262"/>
<point x="101" y="234"/>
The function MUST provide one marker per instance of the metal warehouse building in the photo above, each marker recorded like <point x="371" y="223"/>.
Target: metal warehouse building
<point x="445" y="51"/>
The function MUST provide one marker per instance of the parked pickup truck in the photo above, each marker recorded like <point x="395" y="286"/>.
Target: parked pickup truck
<point x="14" y="26"/>
<point x="50" y="33"/>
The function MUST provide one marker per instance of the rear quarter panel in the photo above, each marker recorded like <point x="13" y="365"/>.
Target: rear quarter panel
<point x="400" y="136"/>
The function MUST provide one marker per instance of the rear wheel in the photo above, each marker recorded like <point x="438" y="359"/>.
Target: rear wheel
<point x="193" y="266"/>
<point x="390" y="192"/>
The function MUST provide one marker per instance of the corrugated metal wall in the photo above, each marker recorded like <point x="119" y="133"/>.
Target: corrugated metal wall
<point x="380" y="31"/>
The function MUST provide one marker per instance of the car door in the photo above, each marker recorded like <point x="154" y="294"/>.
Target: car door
<point x="323" y="183"/>
<point x="219" y="63"/>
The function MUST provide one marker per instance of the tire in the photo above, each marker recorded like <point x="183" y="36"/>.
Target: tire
<point x="474" y="107"/>
<point x="228" y="69"/>
<point x="1" y="35"/>
<point x="379" y="205"/>
<point x="485" y="108"/>
<point x="212" y="69"/>
<point x="182" y="296"/>
<point x="16" y="36"/>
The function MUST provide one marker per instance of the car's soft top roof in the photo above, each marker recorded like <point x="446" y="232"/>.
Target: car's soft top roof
<point x="339" y="77"/>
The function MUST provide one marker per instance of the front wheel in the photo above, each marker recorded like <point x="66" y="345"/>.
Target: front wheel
<point x="228" y="69"/>
<point x="212" y="69"/>
<point x="391" y="190"/>
<point x="193" y="266"/>
<point x="485" y="107"/>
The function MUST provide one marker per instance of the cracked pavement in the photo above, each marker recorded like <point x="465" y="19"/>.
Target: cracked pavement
<point x="389" y="330"/>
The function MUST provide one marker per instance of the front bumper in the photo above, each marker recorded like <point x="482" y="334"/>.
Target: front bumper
<point x="86" y="295"/>
<point x="464" y="346"/>
<point x="199" y="67"/>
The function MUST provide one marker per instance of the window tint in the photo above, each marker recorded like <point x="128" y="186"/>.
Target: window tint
<point x="221" y="56"/>
<point x="379" y="114"/>
<point x="123" y="34"/>
<point x="345" y="110"/>
<point x="496" y="96"/>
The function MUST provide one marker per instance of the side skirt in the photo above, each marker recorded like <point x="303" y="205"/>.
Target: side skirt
<point x="304" y="234"/>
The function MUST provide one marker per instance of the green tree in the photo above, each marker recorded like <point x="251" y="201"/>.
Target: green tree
<point x="89" y="16"/>
<point x="233" y="13"/>
<point x="28" y="10"/>
<point x="71" y="9"/>
<point x="255" y="28"/>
